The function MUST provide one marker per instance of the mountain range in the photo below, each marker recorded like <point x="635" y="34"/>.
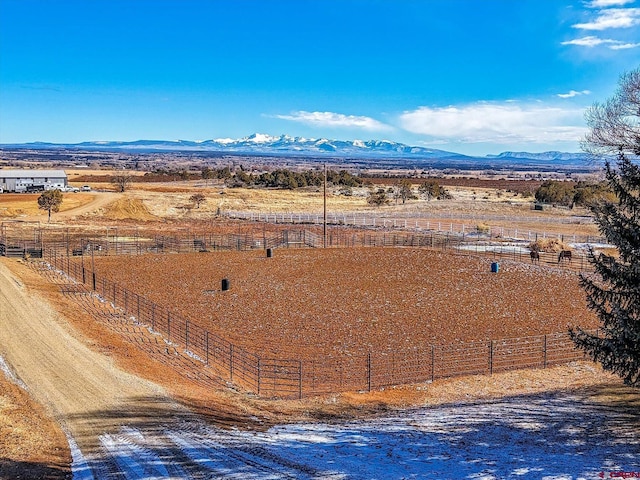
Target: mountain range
<point x="285" y="145"/>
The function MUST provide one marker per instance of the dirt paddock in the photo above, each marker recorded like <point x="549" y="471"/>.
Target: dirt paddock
<point x="306" y="303"/>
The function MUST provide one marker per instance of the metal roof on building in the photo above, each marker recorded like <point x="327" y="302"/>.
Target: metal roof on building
<point x="32" y="174"/>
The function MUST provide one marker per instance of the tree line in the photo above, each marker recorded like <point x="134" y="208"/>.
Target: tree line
<point x="573" y="193"/>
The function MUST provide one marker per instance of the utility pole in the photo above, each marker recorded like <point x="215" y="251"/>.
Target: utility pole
<point x="324" y="215"/>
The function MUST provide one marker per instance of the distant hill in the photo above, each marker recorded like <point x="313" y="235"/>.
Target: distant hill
<point x="545" y="156"/>
<point x="392" y="153"/>
<point x="267" y="144"/>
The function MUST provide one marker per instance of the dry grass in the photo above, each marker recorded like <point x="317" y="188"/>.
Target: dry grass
<point x="246" y="199"/>
<point x="170" y="201"/>
<point x="17" y="205"/>
<point x="29" y="439"/>
<point x="32" y="445"/>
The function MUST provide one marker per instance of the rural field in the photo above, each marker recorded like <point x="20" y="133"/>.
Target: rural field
<point x="479" y="202"/>
<point x="116" y="400"/>
<point x="326" y="240"/>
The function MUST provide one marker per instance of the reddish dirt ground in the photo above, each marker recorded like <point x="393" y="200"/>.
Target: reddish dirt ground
<point x="309" y="303"/>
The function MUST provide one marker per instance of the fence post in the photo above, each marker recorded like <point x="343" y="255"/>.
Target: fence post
<point x="433" y="363"/>
<point x="490" y="357"/>
<point x="300" y="379"/>
<point x="369" y="371"/>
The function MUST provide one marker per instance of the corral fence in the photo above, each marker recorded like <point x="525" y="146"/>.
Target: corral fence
<point x="20" y="241"/>
<point x="263" y="376"/>
<point x="31" y="242"/>
<point x="431" y="362"/>
<point x="422" y="222"/>
<point x="295" y="378"/>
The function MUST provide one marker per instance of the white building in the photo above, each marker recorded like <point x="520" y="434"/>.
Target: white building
<point x="32" y="180"/>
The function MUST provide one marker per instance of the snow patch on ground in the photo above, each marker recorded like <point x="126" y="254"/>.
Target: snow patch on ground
<point x="79" y="466"/>
<point x="8" y="373"/>
<point x="552" y="437"/>
<point x="496" y="248"/>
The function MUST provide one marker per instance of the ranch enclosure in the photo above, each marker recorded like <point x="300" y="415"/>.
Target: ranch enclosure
<point x="352" y="301"/>
<point x="308" y="321"/>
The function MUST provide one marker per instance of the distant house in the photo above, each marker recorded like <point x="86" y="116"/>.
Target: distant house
<point x="32" y="180"/>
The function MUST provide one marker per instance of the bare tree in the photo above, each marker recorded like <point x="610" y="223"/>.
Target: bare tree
<point x="207" y="174"/>
<point x="615" y="124"/>
<point x="402" y="191"/>
<point x="197" y="199"/>
<point x="121" y="181"/>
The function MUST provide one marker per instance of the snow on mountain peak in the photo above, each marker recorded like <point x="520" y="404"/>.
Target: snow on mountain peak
<point x="260" y="138"/>
<point x="225" y="141"/>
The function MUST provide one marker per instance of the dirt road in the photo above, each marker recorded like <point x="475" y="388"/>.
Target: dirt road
<point x="119" y="425"/>
<point x="99" y="200"/>
<point x="81" y="388"/>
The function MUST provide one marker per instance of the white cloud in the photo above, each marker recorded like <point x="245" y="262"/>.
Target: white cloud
<point x="612" y="18"/>
<point x="573" y="93"/>
<point x="591" y="41"/>
<point x="505" y="122"/>
<point x="335" y="120"/>
<point x="608" y="3"/>
<point x="623" y="46"/>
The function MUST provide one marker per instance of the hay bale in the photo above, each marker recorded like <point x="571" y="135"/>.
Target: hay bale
<point x="548" y="245"/>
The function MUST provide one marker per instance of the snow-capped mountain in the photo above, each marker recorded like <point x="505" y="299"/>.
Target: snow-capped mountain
<point x="260" y="143"/>
<point x="287" y="146"/>
<point x="263" y="144"/>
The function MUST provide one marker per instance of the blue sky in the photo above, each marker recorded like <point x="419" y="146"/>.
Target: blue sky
<point x="471" y="76"/>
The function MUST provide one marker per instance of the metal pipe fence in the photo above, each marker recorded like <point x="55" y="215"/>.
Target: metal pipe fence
<point x="296" y="378"/>
<point x="422" y="222"/>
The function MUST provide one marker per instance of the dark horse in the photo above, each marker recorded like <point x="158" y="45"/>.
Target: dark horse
<point x="564" y="255"/>
<point x="535" y="256"/>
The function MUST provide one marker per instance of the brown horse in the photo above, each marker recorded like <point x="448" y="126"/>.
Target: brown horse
<point x="564" y="255"/>
<point x="535" y="256"/>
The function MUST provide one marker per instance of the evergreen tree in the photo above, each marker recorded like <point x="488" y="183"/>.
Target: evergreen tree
<point x="613" y="293"/>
